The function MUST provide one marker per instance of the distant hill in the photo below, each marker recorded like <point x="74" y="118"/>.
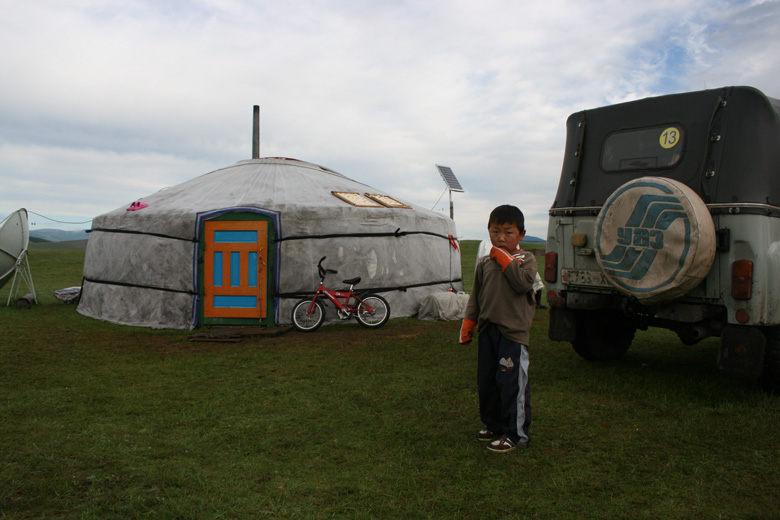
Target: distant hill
<point x="68" y="245"/>
<point x="57" y="235"/>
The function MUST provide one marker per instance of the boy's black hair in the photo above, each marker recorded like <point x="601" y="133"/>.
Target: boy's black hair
<point x="507" y="214"/>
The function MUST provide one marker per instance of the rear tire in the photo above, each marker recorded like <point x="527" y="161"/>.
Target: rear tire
<point x="305" y="321"/>
<point x="687" y="336"/>
<point x="379" y="315"/>
<point x="770" y="377"/>
<point x="602" y="335"/>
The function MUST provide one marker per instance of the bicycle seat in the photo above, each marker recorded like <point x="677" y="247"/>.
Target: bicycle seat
<point x="351" y="281"/>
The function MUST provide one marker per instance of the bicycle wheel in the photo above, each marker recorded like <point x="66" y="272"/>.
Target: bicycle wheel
<point x="306" y="321"/>
<point x="379" y="314"/>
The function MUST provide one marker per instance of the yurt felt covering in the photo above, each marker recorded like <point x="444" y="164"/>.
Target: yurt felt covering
<point x="142" y="267"/>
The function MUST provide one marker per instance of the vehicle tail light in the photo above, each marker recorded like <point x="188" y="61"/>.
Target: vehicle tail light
<point x="551" y="267"/>
<point x="742" y="279"/>
<point x="555" y="301"/>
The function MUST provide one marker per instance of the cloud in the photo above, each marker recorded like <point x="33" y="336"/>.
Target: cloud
<point x="57" y="178"/>
<point x="108" y="101"/>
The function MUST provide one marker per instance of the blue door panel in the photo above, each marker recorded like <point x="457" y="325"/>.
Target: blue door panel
<point x="235" y="237"/>
<point x="235" y="302"/>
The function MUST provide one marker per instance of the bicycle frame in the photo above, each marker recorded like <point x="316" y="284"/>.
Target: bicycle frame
<point x="345" y="310"/>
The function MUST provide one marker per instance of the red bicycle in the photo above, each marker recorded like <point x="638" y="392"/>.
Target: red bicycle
<point x="370" y="310"/>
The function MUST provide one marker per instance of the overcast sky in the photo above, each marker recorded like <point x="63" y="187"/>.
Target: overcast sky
<point x="104" y="102"/>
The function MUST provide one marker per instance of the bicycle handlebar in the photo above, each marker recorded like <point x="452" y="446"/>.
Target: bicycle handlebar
<point x="324" y="271"/>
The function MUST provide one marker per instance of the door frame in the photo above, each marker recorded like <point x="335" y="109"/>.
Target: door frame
<point x="240" y="214"/>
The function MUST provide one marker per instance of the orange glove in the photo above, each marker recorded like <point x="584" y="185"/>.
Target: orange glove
<point x="502" y="257"/>
<point x="466" y="332"/>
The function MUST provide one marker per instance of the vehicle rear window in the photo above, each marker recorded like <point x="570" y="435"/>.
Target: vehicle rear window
<point x="643" y="149"/>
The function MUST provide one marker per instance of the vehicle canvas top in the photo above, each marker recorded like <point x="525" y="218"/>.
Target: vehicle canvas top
<point x="722" y="143"/>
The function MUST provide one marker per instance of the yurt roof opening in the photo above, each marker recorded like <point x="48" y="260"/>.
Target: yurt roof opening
<point x="240" y="245"/>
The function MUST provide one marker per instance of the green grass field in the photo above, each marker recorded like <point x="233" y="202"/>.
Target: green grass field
<point x="99" y="421"/>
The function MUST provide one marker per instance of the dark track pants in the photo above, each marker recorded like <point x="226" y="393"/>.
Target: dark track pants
<point x="502" y="381"/>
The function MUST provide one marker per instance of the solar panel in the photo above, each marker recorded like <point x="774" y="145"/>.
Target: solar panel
<point x="449" y="178"/>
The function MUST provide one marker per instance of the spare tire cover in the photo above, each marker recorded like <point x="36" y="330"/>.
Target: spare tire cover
<point x="655" y="239"/>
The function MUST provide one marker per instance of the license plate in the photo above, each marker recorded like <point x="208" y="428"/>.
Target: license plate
<point x="584" y="277"/>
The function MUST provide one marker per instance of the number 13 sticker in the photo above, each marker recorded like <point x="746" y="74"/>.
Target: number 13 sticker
<point x="670" y="137"/>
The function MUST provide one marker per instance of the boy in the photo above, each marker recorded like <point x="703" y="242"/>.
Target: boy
<point x="502" y="307"/>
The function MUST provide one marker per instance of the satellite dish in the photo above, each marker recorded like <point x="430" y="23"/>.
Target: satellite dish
<point x="14" y="239"/>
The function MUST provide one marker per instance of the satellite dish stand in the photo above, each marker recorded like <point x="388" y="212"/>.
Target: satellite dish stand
<point x="22" y="273"/>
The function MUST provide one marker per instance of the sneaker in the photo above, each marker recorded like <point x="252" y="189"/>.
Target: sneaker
<point x="504" y="445"/>
<point x="487" y="436"/>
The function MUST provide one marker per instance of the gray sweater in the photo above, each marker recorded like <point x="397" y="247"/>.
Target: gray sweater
<point x="504" y="298"/>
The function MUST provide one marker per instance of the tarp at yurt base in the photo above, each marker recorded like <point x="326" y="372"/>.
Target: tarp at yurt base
<point x="241" y="244"/>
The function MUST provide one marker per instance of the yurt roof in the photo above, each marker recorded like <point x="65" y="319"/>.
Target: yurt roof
<point x="273" y="183"/>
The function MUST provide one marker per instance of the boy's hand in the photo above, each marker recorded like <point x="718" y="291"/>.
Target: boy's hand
<point x="502" y="257"/>
<point x="466" y="332"/>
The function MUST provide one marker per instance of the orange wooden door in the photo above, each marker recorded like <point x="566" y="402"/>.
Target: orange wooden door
<point x="235" y="269"/>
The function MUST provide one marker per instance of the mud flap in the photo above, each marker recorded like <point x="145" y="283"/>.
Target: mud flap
<point x="563" y="325"/>
<point x="742" y="351"/>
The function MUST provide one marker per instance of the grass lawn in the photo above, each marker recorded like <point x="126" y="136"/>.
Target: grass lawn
<point x="99" y="421"/>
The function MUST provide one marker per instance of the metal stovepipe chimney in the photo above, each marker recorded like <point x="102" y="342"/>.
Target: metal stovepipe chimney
<point x="256" y="133"/>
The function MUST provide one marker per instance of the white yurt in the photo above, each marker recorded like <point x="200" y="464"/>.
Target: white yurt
<point x="240" y="245"/>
